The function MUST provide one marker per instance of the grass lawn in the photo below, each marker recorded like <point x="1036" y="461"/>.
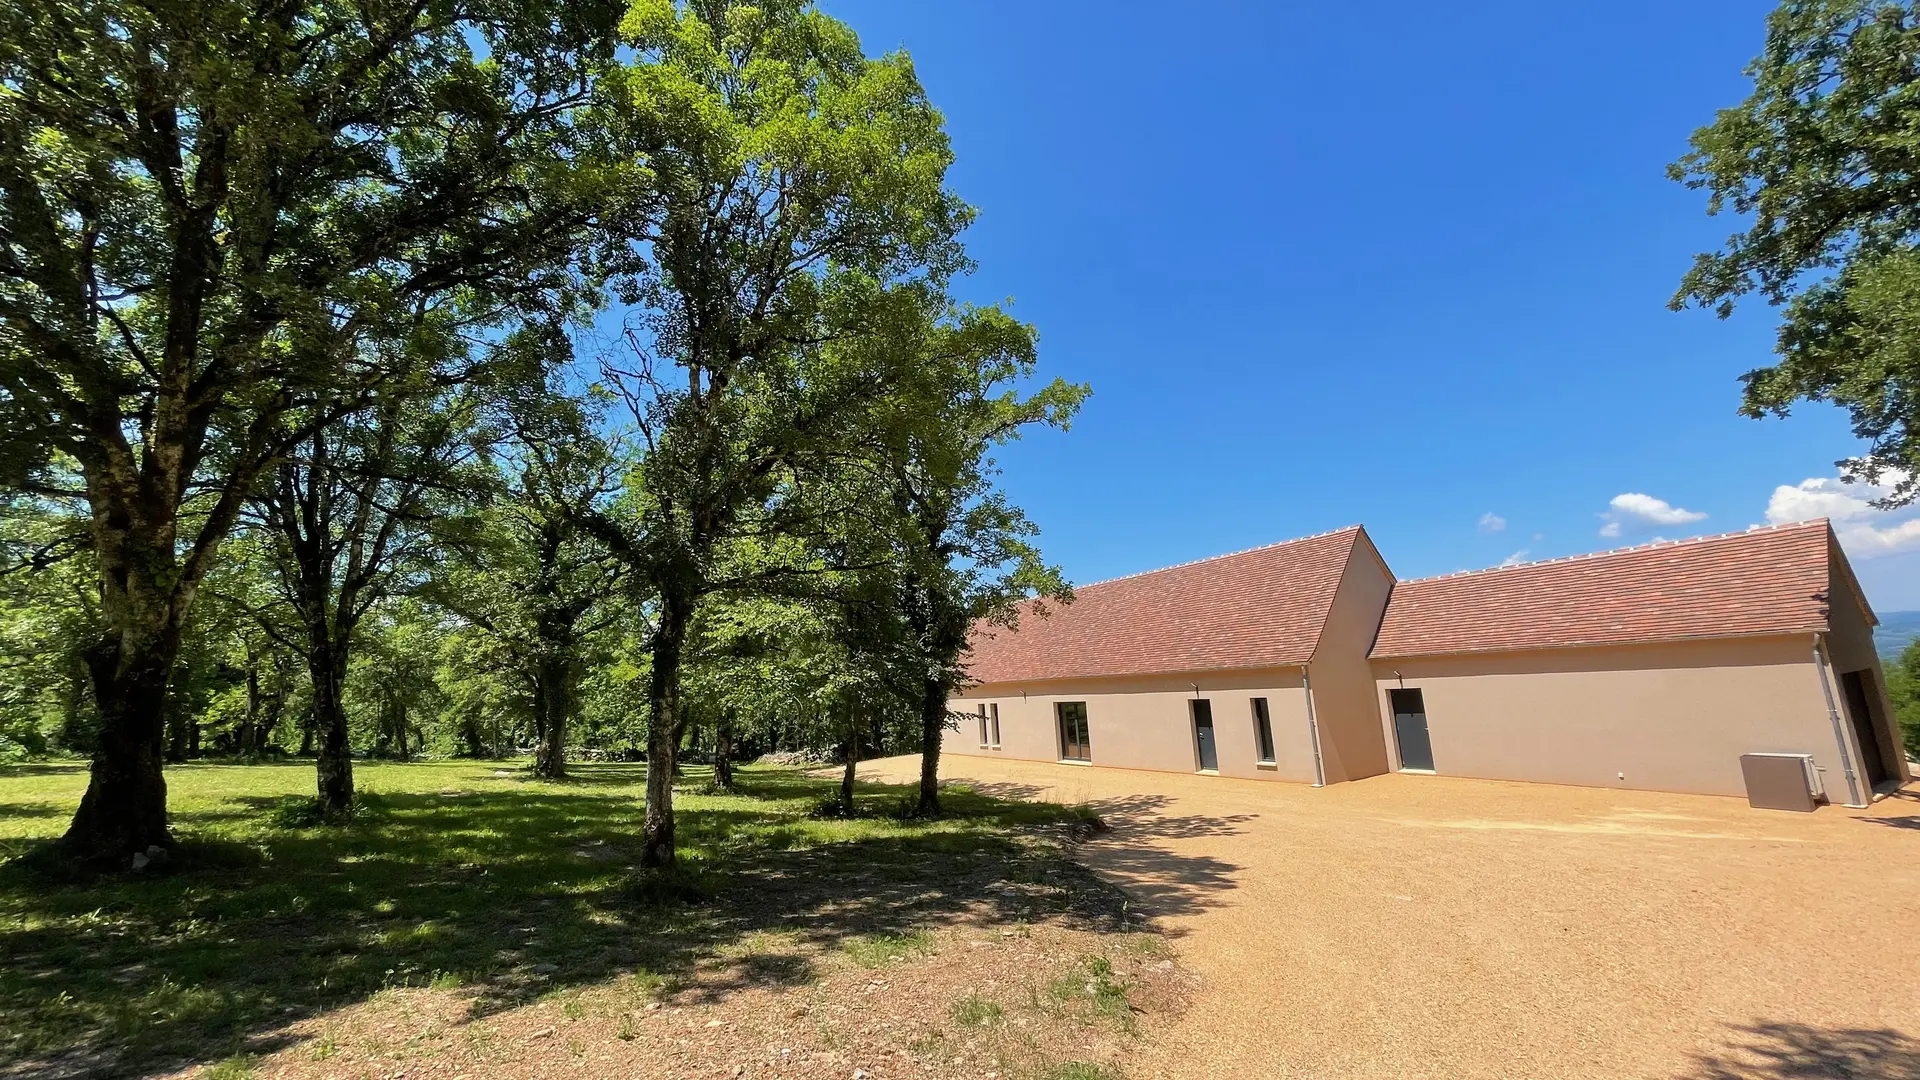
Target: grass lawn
<point x="471" y="884"/>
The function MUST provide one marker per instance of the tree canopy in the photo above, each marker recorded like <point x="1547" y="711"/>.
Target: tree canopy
<point x="1819" y="162"/>
<point x="479" y="378"/>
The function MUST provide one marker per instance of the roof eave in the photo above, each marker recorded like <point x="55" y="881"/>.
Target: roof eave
<point x="1237" y="669"/>
<point x="1662" y="640"/>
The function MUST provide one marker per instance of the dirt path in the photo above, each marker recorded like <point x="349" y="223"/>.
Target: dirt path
<point x="1427" y="927"/>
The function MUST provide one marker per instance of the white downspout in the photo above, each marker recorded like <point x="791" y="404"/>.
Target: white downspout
<point x="1821" y="664"/>
<point x="1313" y="730"/>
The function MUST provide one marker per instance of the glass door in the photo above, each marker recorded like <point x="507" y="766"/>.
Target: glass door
<point x="1074" y="744"/>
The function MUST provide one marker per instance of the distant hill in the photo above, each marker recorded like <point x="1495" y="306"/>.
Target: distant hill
<point x="1896" y="629"/>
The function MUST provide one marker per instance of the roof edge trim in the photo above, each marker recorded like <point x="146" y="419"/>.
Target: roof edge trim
<point x="1667" y="639"/>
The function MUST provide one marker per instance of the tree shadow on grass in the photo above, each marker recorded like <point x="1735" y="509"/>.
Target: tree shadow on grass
<point x="1804" y="1052"/>
<point x="513" y="892"/>
<point x="40" y="809"/>
<point x="44" y="768"/>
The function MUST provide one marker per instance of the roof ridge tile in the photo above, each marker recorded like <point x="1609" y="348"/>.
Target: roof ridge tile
<point x="1584" y="556"/>
<point x="1222" y="555"/>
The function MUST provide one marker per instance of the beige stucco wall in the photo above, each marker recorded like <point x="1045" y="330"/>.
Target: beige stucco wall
<point x="1671" y="717"/>
<point x="1146" y="722"/>
<point x="1351" y="745"/>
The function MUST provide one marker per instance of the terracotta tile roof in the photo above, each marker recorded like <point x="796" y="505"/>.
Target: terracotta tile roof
<point x="1762" y="581"/>
<point x="1250" y="609"/>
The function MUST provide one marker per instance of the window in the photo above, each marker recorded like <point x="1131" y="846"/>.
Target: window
<point x="1263" y="730"/>
<point x="993" y="727"/>
<point x="983" y="727"/>
<point x="1074" y="745"/>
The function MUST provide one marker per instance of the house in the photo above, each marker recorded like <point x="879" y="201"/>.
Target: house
<point x="1252" y="664"/>
<point x="1653" y="667"/>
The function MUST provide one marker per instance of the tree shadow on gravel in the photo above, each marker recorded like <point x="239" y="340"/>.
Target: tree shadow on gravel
<point x="1804" y="1052"/>
<point x="512" y="892"/>
<point x="1163" y="882"/>
<point x="1159" y="882"/>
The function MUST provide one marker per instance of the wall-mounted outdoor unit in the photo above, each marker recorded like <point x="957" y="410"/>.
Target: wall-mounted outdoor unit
<point x="1782" y="781"/>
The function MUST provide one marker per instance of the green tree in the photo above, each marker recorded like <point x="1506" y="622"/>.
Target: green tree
<point x="351" y="520"/>
<point x="534" y="578"/>
<point x="964" y="553"/>
<point x="803" y="205"/>
<point x="260" y="635"/>
<point x="48" y="616"/>
<point x="1823" y="161"/>
<point x="1903" y="689"/>
<point x="204" y="206"/>
<point x="392" y="696"/>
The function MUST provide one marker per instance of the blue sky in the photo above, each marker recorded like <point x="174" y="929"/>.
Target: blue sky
<point x="1396" y="263"/>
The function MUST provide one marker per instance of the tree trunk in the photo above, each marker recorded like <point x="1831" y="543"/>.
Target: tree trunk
<point x="933" y="729"/>
<point x="306" y="733"/>
<point x="471" y="737"/>
<point x="723" y="752"/>
<point x="124" y="810"/>
<point x="75" y="734"/>
<point x="176" y="724"/>
<point x="551" y="706"/>
<point x="250" y="727"/>
<point x="276" y="704"/>
<point x="663" y="730"/>
<point x="327" y="664"/>
<point x="853" y="761"/>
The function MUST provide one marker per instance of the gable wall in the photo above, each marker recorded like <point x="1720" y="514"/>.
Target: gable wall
<point x="1351" y="746"/>
<point x="1850" y="648"/>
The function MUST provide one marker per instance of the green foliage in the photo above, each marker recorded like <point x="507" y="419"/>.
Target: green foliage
<point x="1903" y="689"/>
<point x="1819" y="159"/>
<point x="238" y="1067"/>
<point x="327" y="320"/>
<point x="1079" y="1070"/>
<point x="878" y="950"/>
<point x="47" y="618"/>
<point x="976" y="1011"/>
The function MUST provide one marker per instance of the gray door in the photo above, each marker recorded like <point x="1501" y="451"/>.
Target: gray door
<point x="1203" y="734"/>
<point x="1410" y="729"/>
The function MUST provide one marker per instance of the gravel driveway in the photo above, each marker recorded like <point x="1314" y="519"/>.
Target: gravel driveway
<point x="1416" y="926"/>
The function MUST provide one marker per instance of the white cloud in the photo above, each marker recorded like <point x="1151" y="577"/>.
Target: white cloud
<point x="1491" y="522"/>
<point x="1863" y="530"/>
<point x="1632" y="510"/>
<point x="1516" y="558"/>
